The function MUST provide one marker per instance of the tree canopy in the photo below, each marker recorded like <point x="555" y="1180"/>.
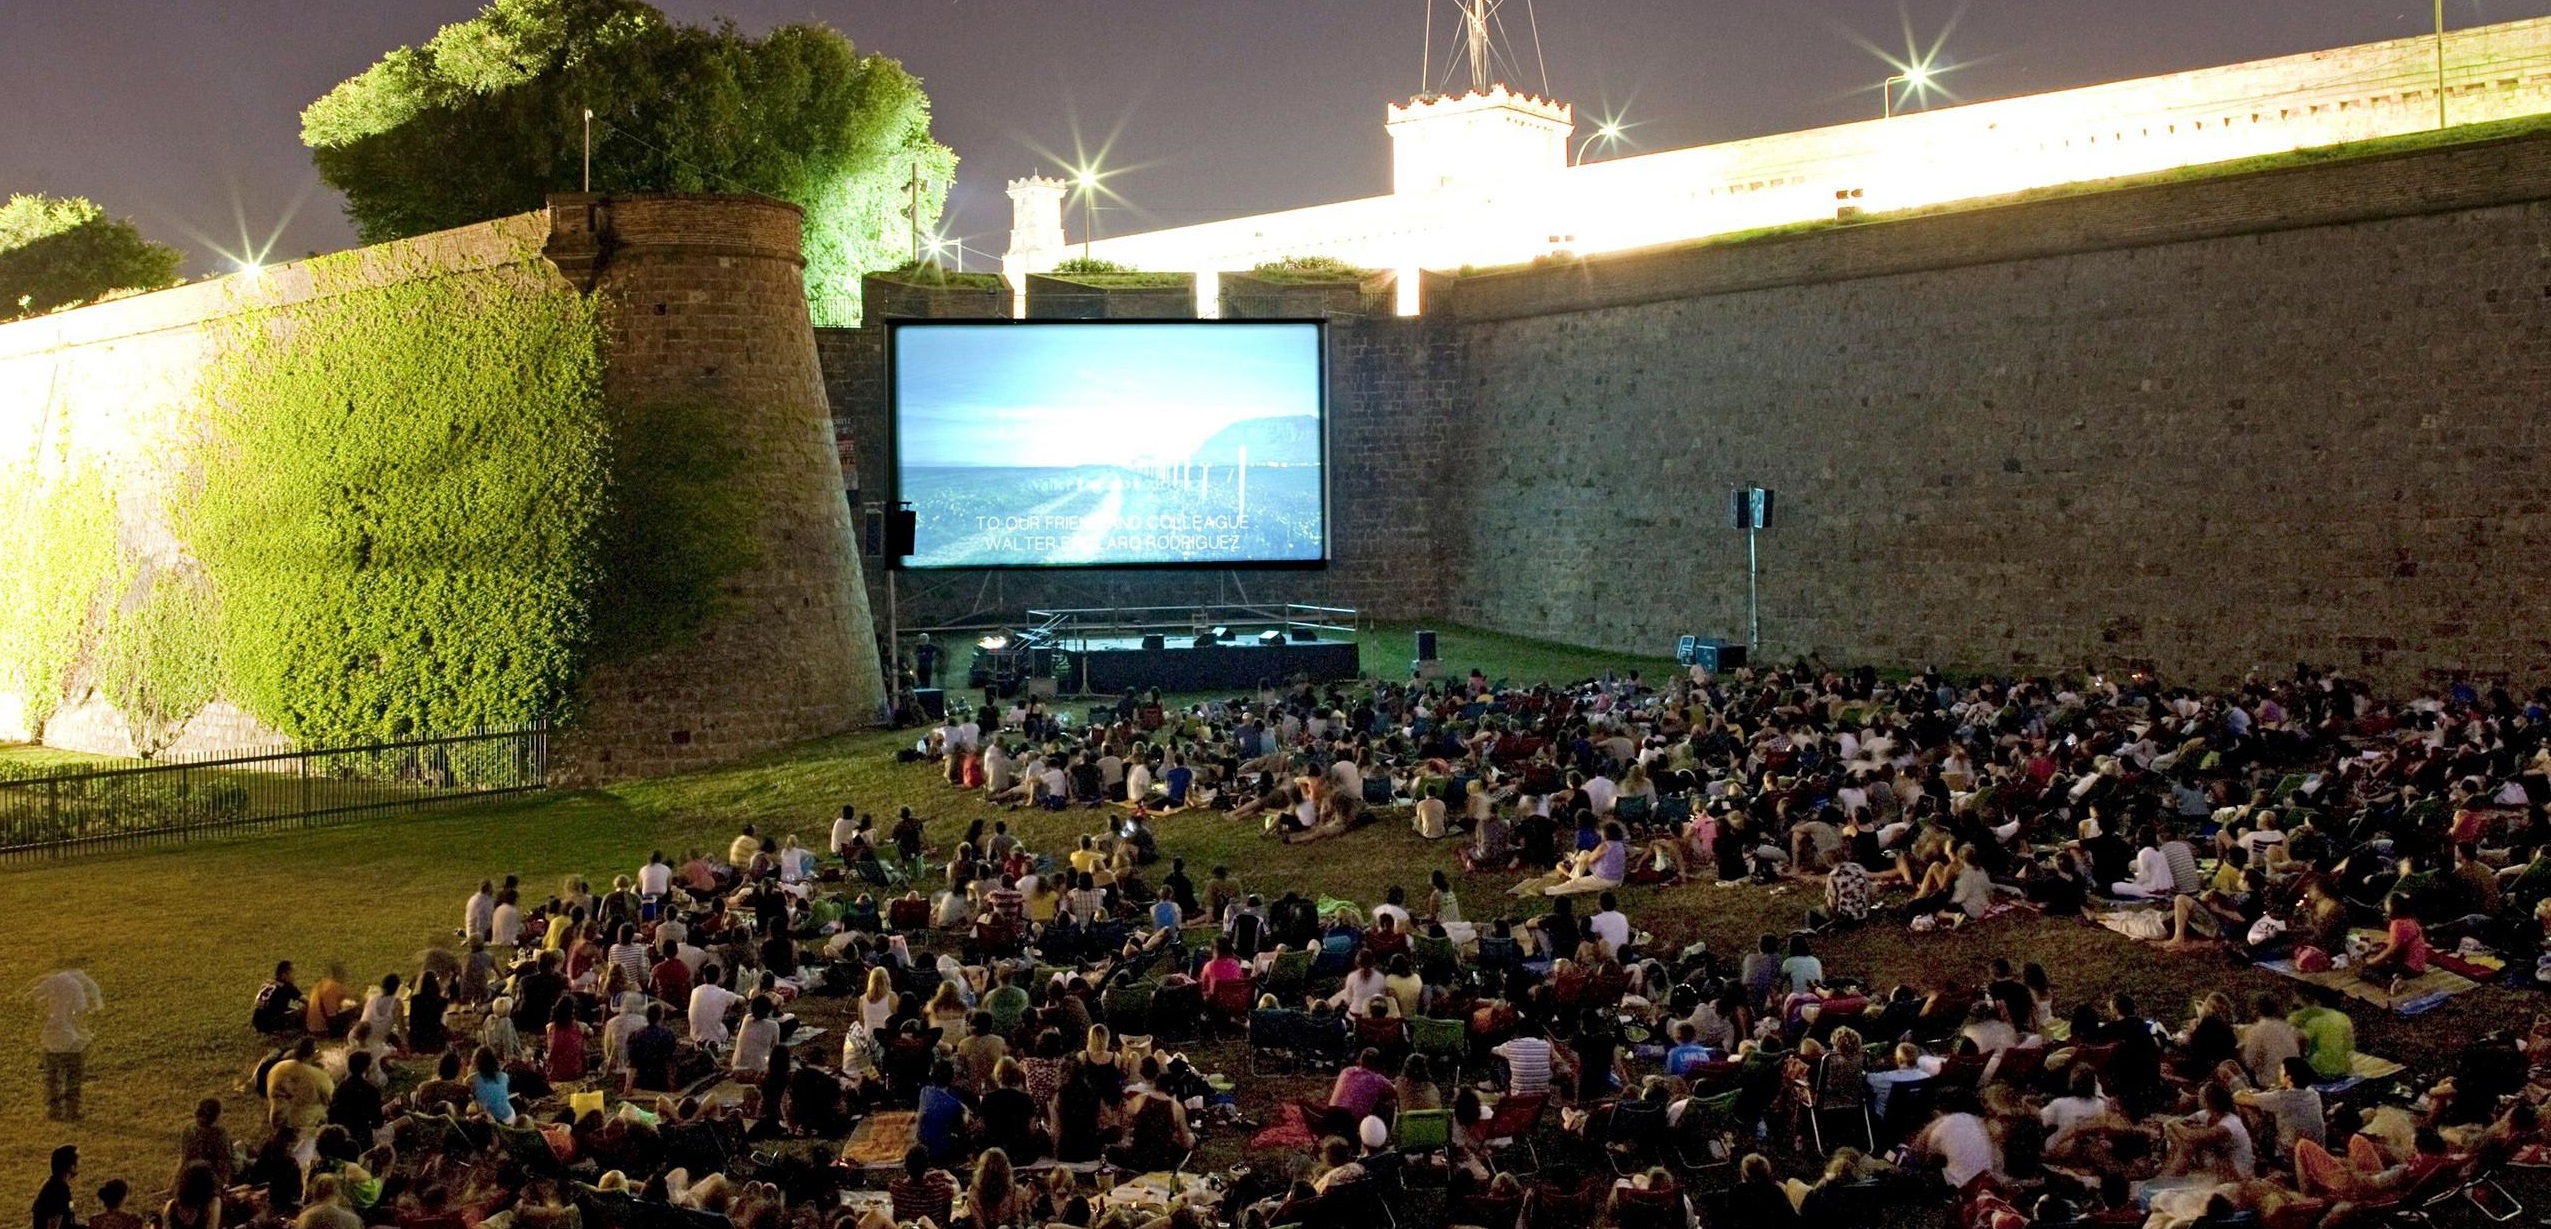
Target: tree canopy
<point x="486" y="118"/>
<point x="59" y="250"/>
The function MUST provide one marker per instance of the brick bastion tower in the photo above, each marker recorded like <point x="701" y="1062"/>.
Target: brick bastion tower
<point x="705" y="304"/>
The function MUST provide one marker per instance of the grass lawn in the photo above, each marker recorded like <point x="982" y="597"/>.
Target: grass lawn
<point x="180" y="938"/>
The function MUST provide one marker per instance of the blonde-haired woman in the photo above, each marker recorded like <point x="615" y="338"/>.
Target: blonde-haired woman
<point x="877" y="1003"/>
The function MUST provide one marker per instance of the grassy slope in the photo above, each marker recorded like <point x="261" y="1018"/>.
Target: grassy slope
<point x="181" y="938"/>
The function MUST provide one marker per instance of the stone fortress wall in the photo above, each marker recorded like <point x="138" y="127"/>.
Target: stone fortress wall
<point x="703" y="301"/>
<point x="1459" y="200"/>
<point x="2207" y="427"/>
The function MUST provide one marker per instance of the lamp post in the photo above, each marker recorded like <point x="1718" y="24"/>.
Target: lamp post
<point x="1087" y="182"/>
<point x="1918" y="76"/>
<point x="1608" y="133"/>
<point x="2440" y="63"/>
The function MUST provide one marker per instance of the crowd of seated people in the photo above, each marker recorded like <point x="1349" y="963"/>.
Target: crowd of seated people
<point x="563" y="1052"/>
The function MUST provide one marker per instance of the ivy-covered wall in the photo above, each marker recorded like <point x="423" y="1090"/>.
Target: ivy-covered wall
<point x="394" y="492"/>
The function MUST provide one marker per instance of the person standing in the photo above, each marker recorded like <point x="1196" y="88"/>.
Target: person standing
<point x="62" y="998"/>
<point x="925" y="661"/>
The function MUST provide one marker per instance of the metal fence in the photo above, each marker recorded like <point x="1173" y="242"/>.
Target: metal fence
<point x="54" y="810"/>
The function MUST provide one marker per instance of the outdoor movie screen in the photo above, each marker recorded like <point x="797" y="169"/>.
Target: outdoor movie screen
<point x="1194" y="443"/>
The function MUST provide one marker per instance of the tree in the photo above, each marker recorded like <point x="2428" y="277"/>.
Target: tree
<point x="486" y="119"/>
<point x="56" y="251"/>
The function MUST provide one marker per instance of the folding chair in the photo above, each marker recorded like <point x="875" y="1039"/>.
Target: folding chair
<point x="1272" y="1029"/>
<point x="1634" y="1133"/>
<point x="2021" y="1066"/>
<point x="1128" y="1008"/>
<point x="1438" y="961"/>
<point x="1662" y="1208"/>
<point x="1230" y="1004"/>
<point x="1845" y="1095"/>
<point x="1445" y="1043"/>
<point x="1290" y="977"/>
<point x="1423" y="1131"/>
<point x="1510" y="1124"/>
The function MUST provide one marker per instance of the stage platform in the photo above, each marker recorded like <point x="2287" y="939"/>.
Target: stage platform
<point x="1118" y="664"/>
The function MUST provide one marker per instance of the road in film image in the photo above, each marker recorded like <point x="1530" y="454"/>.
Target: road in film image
<point x="1109" y="444"/>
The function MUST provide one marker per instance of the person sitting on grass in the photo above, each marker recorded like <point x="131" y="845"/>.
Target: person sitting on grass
<point x="2403" y="952"/>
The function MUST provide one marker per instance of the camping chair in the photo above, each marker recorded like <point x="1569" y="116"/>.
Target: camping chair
<point x="1231" y="1002"/>
<point x="1272" y="1029"/>
<point x="1336" y="956"/>
<point x="1909" y="1106"/>
<point x="2417" y="1205"/>
<point x="526" y="1147"/>
<point x="1377" y="791"/>
<point x="1511" y="1124"/>
<point x="1662" y="1208"/>
<point x="2490" y="1199"/>
<point x="1423" y="1131"/>
<point x="906" y="914"/>
<point x="1128" y="1008"/>
<point x="2021" y="1066"/>
<point x="1961" y="1071"/>
<point x="1289" y="979"/>
<point x="1389" y="1034"/>
<point x="1633" y="1133"/>
<point x="1445" y="1043"/>
<point x="1176" y="1012"/>
<point x="1844" y="1098"/>
<point x="1438" y="961"/>
<point x="1502" y="954"/>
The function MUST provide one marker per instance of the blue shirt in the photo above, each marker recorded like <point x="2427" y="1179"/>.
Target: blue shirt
<point x="942" y="1116"/>
<point x="494" y="1093"/>
<point x="1179" y="778"/>
<point x="1681" y="1059"/>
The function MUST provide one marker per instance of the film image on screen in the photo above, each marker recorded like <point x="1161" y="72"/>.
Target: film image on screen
<point x="1110" y="444"/>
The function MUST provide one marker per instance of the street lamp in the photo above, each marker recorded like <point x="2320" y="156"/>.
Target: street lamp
<point x="1086" y="179"/>
<point x="1608" y="133"/>
<point x="1918" y="77"/>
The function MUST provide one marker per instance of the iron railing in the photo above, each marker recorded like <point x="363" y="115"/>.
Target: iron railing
<point x="55" y="810"/>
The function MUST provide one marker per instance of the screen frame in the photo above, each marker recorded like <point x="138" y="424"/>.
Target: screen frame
<point x="894" y="447"/>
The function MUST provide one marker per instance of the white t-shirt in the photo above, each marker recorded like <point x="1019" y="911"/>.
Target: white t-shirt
<point x="709" y="1005"/>
<point x="1601" y="793"/>
<point x="754" y="1043"/>
<point x="656" y="878"/>
<point x="1138" y="782"/>
<point x="2061" y="1113"/>
<point x="479" y="916"/>
<point x="1964" y="1147"/>
<point x="843" y="830"/>
<point x="63" y="998"/>
<point x="1613" y="927"/>
<point x="505" y="926"/>
<point x="1398" y="916"/>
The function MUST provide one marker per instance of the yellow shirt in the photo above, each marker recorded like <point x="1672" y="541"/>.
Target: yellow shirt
<point x="297" y="1094"/>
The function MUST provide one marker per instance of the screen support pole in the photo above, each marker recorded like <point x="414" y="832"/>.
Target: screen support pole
<point x="894" y="637"/>
<point x="1753" y="594"/>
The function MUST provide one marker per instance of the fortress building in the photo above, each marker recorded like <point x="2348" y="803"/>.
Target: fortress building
<point x="1482" y="178"/>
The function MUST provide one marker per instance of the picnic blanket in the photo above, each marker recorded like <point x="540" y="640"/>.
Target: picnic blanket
<point x="2416" y="995"/>
<point x="2145" y="925"/>
<point x="2361" y="1067"/>
<point x="1288" y="1134"/>
<point x="881" y="1139"/>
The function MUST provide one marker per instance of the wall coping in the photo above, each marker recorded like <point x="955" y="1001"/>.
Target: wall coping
<point x="2479" y="174"/>
<point x="498" y="243"/>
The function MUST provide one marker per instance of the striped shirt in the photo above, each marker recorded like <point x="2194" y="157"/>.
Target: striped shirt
<point x="1527" y="1065"/>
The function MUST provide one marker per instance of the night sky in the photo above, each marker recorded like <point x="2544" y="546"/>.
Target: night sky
<point x="184" y="114"/>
